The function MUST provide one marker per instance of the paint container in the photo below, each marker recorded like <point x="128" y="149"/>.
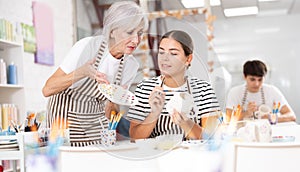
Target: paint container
<point x="12" y="74"/>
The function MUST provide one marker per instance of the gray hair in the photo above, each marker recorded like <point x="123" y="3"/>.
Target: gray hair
<point x="125" y="14"/>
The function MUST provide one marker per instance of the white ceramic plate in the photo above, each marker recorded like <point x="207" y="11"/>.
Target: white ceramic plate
<point x="10" y="149"/>
<point x="117" y="94"/>
<point x="6" y="142"/>
<point x="9" y="146"/>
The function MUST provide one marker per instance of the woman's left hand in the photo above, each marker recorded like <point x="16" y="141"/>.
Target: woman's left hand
<point x="184" y="122"/>
<point x="178" y="118"/>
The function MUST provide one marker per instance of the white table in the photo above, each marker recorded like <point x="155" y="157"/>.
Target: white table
<point x="132" y="157"/>
<point x="260" y="157"/>
<point x="287" y="129"/>
<point x="136" y="158"/>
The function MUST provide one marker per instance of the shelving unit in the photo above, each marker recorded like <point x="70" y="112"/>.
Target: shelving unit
<point x="13" y="94"/>
<point x="14" y="154"/>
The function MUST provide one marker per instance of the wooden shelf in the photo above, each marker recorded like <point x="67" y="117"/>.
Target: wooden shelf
<point x="14" y="154"/>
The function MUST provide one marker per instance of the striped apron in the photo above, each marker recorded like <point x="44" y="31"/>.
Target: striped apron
<point x="81" y="109"/>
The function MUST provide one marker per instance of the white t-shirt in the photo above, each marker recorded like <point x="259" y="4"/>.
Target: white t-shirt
<point x="86" y="49"/>
<point x="271" y="94"/>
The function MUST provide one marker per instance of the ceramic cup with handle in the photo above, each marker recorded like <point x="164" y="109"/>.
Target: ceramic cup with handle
<point x="262" y="110"/>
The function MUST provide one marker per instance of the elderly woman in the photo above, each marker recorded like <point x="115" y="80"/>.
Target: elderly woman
<point x="73" y="91"/>
<point x="150" y="116"/>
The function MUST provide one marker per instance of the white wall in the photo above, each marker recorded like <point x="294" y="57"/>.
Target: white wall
<point x="83" y="22"/>
<point x="35" y="75"/>
<point x="242" y="38"/>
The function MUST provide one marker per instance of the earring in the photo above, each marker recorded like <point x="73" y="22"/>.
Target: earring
<point x="187" y="65"/>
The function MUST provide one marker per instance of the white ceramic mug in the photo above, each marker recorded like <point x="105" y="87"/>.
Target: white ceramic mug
<point x="262" y="110"/>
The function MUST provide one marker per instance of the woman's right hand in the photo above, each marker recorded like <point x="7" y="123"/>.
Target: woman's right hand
<point x="157" y="100"/>
<point x="88" y="70"/>
<point x="60" y="80"/>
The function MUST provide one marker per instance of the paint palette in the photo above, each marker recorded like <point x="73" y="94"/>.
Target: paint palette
<point x="117" y="94"/>
<point x="283" y="138"/>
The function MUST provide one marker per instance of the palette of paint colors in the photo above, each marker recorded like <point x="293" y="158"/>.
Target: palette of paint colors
<point x="283" y="138"/>
<point x="117" y="94"/>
